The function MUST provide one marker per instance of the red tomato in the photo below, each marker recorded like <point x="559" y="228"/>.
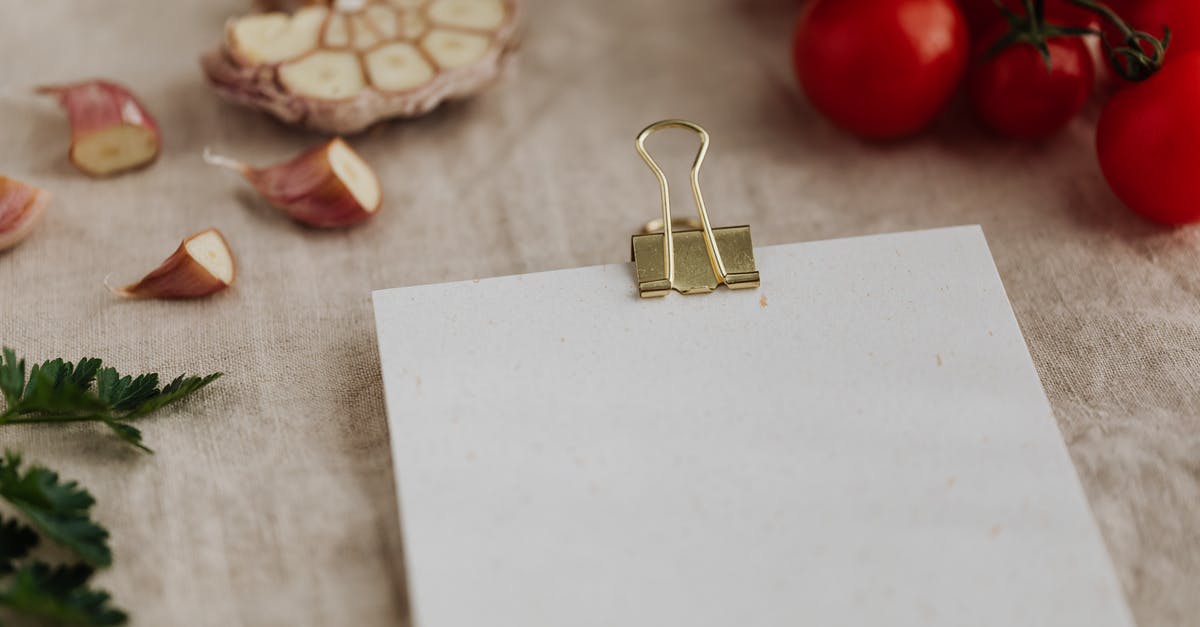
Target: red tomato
<point x="880" y="69"/>
<point x="1182" y="16"/>
<point x="1013" y="93"/>
<point x="1148" y="141"/>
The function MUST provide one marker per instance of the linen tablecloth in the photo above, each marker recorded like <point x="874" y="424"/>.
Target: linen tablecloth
<point x="270" y="500"/>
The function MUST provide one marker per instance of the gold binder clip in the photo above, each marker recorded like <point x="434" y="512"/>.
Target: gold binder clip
<point x="695" y="260"/>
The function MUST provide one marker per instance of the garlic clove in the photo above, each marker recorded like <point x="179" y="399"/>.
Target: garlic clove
<point x="275" y="37"/>
<point x="470" y="14"/>
<point x="337" y="31"/>
<point x="202" y="265"/>
<point x="383" y="20"/>
<point x="365" y="34"/>
<point x="21" y="209"/>
<point x="111" y="132"/>
<point x="452" y="50"/>
<point x="329" y="186"/>
<point x="325" y="74"/>
<point x="397" y="67"/>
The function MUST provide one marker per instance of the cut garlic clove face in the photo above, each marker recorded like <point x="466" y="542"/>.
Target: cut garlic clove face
<point x="276" y="37"/>
<point x="115" y="149"/>
<point x="364" y="34"/>
<point x="453" y="50"/>
<point x="337" y="31"/>
<point x="473" y="14"/>
<point x="209" y="250"/>
<point x="398" y="67"/>
<point x="339" y="68"/>
<point x="383" y="20"/>
<point x="326" y="74"/>
<point x="358" y="177"/>
<point x="412" y="26"/>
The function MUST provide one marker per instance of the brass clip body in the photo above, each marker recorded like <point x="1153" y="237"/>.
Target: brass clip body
<point x="697" y="258"/>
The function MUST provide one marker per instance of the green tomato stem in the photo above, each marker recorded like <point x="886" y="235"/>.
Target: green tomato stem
<point x="1138" y="65"/>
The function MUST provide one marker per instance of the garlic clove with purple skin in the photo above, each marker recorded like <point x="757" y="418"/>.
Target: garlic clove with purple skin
<point x="329" y="186"/>
<point x="202" y="265"/>
<point x="111" y="132"/>
<point x="21" y="209"/>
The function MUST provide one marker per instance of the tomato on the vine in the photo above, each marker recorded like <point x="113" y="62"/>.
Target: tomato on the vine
<point x="1148" y="141"/>
<point x="1013" y="93"/>
<point x="880" y="69"/>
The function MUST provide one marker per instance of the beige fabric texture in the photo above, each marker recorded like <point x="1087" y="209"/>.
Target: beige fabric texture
<point x="270" y="499"/>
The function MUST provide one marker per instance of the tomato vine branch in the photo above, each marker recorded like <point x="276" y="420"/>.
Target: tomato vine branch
<point x="1141" y="55"/>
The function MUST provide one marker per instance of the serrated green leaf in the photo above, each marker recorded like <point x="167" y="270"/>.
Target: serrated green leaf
<point x="60" y="595"/>
<point x="176" y="390"/>
<point x="110" y="386"/>
<point x="12" y="377"/>
<point x="137" y="392"/>
<point x="125" y="393"/>
<point x="56" y="369"/>
<point x="60" y="391"/>
<point x="16" y="540"/>
<point x="66" y="373"/>
<point x="85" y="372"/>
<point x="43" y="394"/>
<point x="32" y="384"/>
<point x="128" y="433"/>
<point x="58" y="509"/>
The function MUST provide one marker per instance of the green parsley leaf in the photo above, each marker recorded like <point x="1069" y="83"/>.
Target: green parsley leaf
<point x="174" y="391"/>
<point x="12" y="377"/>
<point x="58" y="391"/>
<point x="46" y="392"/>
<point x="59" y="510"/>
<point x="125" y="393"/>
<point x="129" y="433"/>
<point x="59" y="594"/>
<point x="16" y="540"/>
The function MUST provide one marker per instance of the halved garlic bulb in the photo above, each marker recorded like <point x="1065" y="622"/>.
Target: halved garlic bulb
<point x="341" y="66"/>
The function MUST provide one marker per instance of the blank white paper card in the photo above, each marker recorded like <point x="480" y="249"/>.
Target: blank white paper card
<point x="861" y="441"/>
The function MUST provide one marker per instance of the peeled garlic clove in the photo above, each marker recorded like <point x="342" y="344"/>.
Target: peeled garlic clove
<point x="111" y="131"/>
<point x="202" y="265"/>
<point x="329" y="186"/>
<point x="21" y="209"/>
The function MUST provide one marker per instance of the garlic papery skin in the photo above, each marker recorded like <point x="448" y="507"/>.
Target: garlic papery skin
<point x="21" y="209"/>
<point x="111" y="132"/>
<point x="202" y="265"/>
<point x="329" y="186"/>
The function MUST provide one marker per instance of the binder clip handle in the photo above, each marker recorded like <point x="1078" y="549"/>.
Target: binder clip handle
<point x="704" y="267"/>
<point x="714" y="253"/>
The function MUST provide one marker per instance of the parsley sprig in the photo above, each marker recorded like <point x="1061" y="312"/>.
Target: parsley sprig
<point x="58" y="391"/>
<point x="60" y="511"/>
